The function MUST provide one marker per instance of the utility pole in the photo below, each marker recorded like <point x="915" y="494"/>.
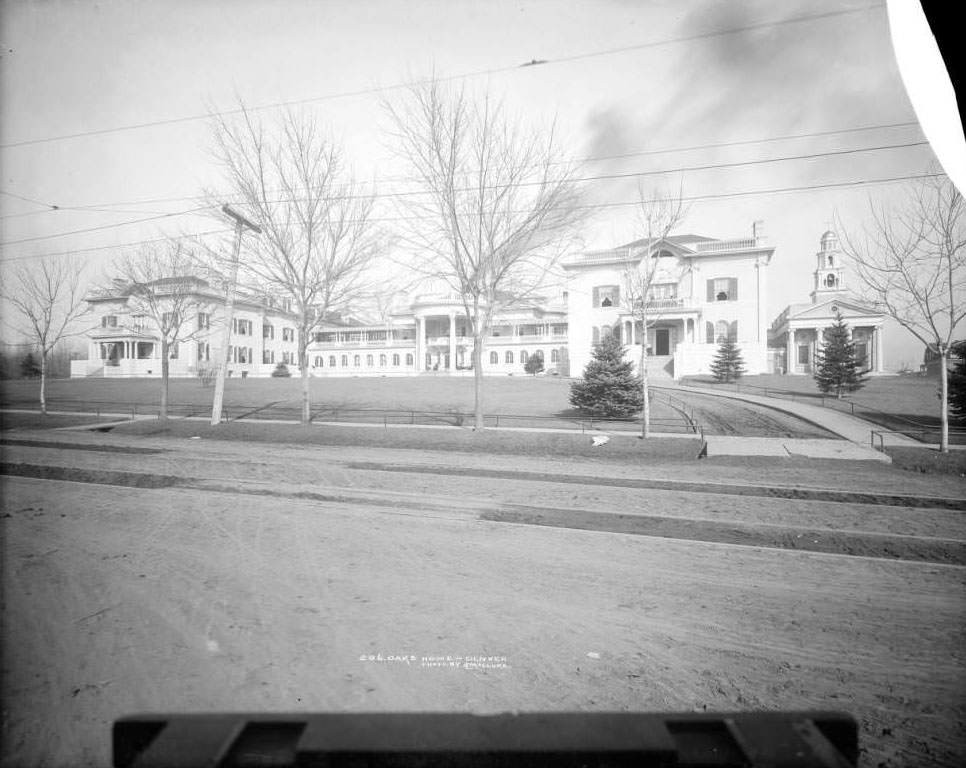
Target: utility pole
<point x="241" y="223"/>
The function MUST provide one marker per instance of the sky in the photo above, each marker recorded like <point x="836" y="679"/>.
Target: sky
<point x="638" y="90"/>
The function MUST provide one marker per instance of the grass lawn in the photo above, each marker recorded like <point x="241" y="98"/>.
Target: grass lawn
<point x="895" y="402"/>
<point x="533" y="444"/>
<point x="525" y="395"/>
<point x="10" y="421"/>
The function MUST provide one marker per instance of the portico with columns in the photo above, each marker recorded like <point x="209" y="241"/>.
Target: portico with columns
<point x="797" y="334"/>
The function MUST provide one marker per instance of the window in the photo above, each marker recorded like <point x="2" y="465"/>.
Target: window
<point x="331" y="361"/>
<point x="509" y="357"/>
<point x="663" y="291"/>
<point x="288" y="334"/>
<point x="356" y="361"/>
<point x="109" y="321"/>
<point x="167" y="319"/>
<point x="241" y="327"/>
<point x="173" y="351"/>
<point x="494" y="358"/>
<point x="202" y="352"/>
<point x="554" y="356"/>
<point x="318" y="361"/>
<point x="345" y="361"/>
<point x="723" y="289"/>
<point x="831" y="262"/>
<point x="830" y="281"/>
<point x="368" y="361"/>
<point x="721" y="330"/>
<point x="268" y="357"/>
<point x="395" y="360"/>
<point x="268" y="331"/>
<point x="524" y="357"/>
<point x="204" y="321"/>
<point x="409" y="360"/>
<point x="803" y="354"/>
<point x="382" y="361"/>
<point x="287" y="358"/>
<point x="606" y="296"/>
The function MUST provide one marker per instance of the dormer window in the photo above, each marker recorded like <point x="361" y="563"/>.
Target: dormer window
<point x="606" y="296"/>
<point x="109" y="321"/>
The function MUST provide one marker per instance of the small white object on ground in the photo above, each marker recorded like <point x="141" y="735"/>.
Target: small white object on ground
<point x="593" y="655"/>
<point x="600" y="440"/>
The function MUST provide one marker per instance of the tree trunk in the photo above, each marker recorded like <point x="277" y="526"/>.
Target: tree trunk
<point x="43" y="381"/>
<point x="163" y="410"/>
<point x="304" y="365"/>
<point x="477" y="382"/>
<point x="646" y="413"/>
<point x="944" y="396"/>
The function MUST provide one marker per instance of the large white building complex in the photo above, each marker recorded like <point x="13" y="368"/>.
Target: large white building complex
<point x="704" y="290"/>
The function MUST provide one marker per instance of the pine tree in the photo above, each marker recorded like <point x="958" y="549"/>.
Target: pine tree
<point x="29" y="367"/>
<point x="836" y="368"/>
<point x="728" y="364"/>
<point x="957" y="380"/>
<point x="534" y="364"/>
<point x="609" y="386"/>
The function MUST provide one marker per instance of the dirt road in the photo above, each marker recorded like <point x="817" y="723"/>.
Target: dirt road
<point x="118" y="600"/>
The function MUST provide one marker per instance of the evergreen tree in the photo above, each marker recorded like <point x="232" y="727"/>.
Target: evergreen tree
<point x="728" y="364"/>
<point x="836" y="368"/>
<point x="534" y="364"/>
<point x="609" y="386"/>
<point x="957" y="380"/>
<point x="29" y="367"/>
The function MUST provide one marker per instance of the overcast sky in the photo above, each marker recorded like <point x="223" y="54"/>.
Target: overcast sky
<point x="644" y="79"/>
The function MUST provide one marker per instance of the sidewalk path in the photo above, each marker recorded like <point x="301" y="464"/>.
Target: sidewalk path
<point x="853" y="429"/>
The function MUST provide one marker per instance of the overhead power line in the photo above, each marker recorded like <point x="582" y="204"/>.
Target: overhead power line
<point x="465" y="75"/>
<point x="615" y="204"/>
<point x="580" y="179"/>
<point x="600" y="158"/>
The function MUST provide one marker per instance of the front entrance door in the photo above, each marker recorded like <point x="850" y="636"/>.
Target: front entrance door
<point x="662" y="341"/>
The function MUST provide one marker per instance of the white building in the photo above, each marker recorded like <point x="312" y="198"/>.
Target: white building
<point x="796" y="334"/>
<point x="432" y="334"/>
<point x="125" y="340"/>
<point x="704" y="291"/>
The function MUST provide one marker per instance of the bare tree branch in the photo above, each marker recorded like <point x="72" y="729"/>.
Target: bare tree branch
<point x="911" y="260"/>
<point x="498" y="204"/>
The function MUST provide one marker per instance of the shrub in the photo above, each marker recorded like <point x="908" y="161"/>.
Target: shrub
<point x="728" y="364"/>
<point x="281" y="371"/>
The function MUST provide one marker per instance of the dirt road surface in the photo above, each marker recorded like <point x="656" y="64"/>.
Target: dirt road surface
<point x="121" y="600"/>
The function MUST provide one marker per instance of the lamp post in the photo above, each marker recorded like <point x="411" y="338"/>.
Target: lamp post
<point x="241" y="223"/>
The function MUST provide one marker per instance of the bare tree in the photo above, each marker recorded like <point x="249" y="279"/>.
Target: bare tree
<point x="658" y="215"/>
<point x="48" y="296"/>
<point x="495" y="204"/>
<point x="318" y="237"/>
<point x="160" y="283"/>
<point x="911" y="259"/>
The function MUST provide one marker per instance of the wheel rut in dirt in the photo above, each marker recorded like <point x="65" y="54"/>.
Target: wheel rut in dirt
<point x="766" y="491"/>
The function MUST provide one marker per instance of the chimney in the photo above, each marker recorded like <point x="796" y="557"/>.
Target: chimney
<point x="758" y="230"/>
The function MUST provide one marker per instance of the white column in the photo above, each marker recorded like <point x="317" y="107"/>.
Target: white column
<point x="877" y="335"/>
<point x="452" y="340"/>
<point x="790" y="351"/>
<point x="420" y="341"/>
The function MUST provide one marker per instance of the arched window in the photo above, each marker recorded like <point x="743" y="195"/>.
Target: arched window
<point x="331" y="361"/>
<point x="721" y="330"/>
<point x="524" y="357"/>
<point x="616" y="332"/>
<point x="368" y="361"/>
<point x="382" y="361"/>
<point x="409" y="360"/>
<point x="554" y="356"/>
<point x="509" y="357"/>
<point x="494" y="358"/>
<point x="395" y="359"/>
<point x="318" y="361"/>
<point x="604" y="332"/>
<point x="830" y="281"/>
<point x="356" y="361"/>
<point x="345" y="361"/>
<point x="831" y="260"/>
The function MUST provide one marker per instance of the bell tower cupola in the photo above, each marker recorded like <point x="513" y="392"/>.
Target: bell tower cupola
<point x="829" y="273"/>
